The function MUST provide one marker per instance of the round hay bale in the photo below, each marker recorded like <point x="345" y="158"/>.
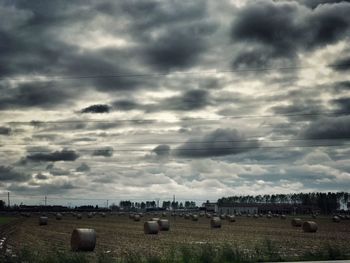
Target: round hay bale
<point x="58" y="216"/>
<point x="215" y="222"/>
<point x="83" y="239"/>
<point x="347" y="217"/>
<point x="336" y="219"/>
<point x="283" y="217"/>
<point x="181" y="215"/>
<point x="164" y="214"/>
<point x="155" y="219"/>
<point x="201" y="214"/>
<point x="187" y="216"/>
<point x="164" y="225"/>
<point x="131" y="216"/>
<point x="151" y="227"/>
<point x="43" y="220"/>
<point x="90" y="215"/>
<point x="249" y="215"/>
<point x="79" y="216"/>
<point x="222" y="216"/>
<point x="310" y="227"/>
<point x="208" y="215"/>
<point x="256" y="216"/>
<point x="194" y="217"/>
<point x="313" y="216"/>
<point x="269" y="216"/>
<point x="231" y="218"/>
<point x="261" y="215"/>
<point x="103" y="214"/>
<point x="137" y="218"/>
<point x="296" y="222"/>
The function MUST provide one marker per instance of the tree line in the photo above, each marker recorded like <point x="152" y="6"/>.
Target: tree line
<point x="325" y="202"/>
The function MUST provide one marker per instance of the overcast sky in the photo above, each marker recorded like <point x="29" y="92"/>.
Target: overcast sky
<point x="200" y="99"/>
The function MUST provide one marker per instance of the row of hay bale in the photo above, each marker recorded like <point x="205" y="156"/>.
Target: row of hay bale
<point x="153" y="226"/>
<point x="307" y="226"/>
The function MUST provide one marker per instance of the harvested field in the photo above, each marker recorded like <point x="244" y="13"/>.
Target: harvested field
<point x="121" y="236"/>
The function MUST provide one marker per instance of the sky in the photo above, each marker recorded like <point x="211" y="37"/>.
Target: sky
<point x="132" y="100"/>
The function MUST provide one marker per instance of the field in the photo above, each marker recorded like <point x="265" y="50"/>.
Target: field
<point x="118" y="236"/>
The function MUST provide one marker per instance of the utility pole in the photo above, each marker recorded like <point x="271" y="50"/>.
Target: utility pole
<point x="8" y="199"/>
<point x="107" y="203"/>
<point x="45" y="200"/>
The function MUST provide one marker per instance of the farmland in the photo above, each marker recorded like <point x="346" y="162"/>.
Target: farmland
<point x="119" y="236"/>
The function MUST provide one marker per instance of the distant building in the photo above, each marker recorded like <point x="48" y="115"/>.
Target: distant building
<point x="231" y="209"/>
<point x="211" y="207"/>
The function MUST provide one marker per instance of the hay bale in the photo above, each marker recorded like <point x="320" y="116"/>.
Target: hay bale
<point x="131" y="216"/>
<point x="43" y="220"/>
<point x="310" y="227"/>
<point x="261" y="215"/>
<point x="137" y="218"/>
<point x="208" y="215"/>
<point x="58" y="216"/>
<point x="194" y="217"/>
<point x="269" y="216"/>
<point x="90" y="215"/>
<point x="155" y="219"/>
<point x="249" y="215"/>
<point x="164" y="225"/>
<point x="187" y="216"/>
<point x="222" y="216"/>
<point x="231" y="218"/>
<point x="151" y="227"/>
<point x="283" y="217"/>
<point x="336" y="219"/>
<point x="347" y="217"/>
<point x="79" y="216"/>
<point x="313" y="216"/>
<point x="215" y="222"/>
<point x="164" y="214"/>
<point x="256" y="216"/>
<point x="296" y="222"/>
<point x="103" y="214"/>
<point x="83" y="239"/>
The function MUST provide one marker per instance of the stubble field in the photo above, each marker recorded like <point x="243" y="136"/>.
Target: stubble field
<point x="120" y="236"/>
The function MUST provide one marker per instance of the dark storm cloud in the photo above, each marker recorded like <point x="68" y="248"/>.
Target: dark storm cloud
<point x="341" y="86"/>
<point x="125" y="105"/>
<point x="217" y="143"/>
<point x="281" y="29"/>
<point x="52" y="188"/>
<point x="305" y="108"/>
<point x="328" y="128"/>
<point x="162" y="150"/>
<point x="64" y="155"/>
<point x="5" y="130"/>
<point x="342" y="64"/>
<point x="175" y="49"/>
<point x="8" y="173"/>
<point x="41" y="176"/>
<point x="343" y="105"/>
<point x="97" y="108"/>
<point x="106" y="152"/>
<point x="315" y="3"/>
<point x="42" y="95"/>
<point x="83" y="168"/>
<point x="187" y="101"/>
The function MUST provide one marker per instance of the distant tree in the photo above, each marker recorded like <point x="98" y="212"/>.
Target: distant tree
<point x="2" y="205"/>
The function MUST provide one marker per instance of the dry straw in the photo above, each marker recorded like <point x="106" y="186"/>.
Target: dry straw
<point x="215" y="222"/>
<point x="43" y="220"/>
<point x="310" y="227"/>
<point x="83" y="239"/>
<point x="151" y="227"/>
<point x="296" y="222"/>
<point x="163" y="224"/>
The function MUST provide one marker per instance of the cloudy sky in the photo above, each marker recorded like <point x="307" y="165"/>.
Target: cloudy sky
<point x="146" y="99"/>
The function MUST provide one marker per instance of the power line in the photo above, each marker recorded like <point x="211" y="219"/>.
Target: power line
<point x="151" y="75"/>
<point x="191" y="149"/>
<point x="181" y="142"/>
<point x="38" y="123"/>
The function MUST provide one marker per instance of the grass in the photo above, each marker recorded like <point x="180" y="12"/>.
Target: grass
<point x="207" y="253"/>
<point x="4" y="220"/>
